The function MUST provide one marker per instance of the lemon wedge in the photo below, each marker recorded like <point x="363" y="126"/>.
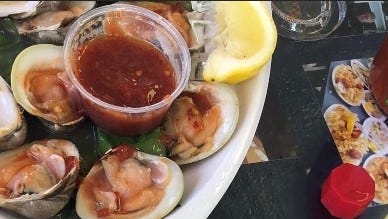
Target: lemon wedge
<point x="350" y="121"/>
<point x="372" y="146"/>
<point x="245" y="41"/>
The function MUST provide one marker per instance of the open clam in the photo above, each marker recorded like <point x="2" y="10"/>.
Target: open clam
<point x="194" y="26"/>
<point x="200" y="121"/>
<point x="37" y="179"/>
<point x="40" y="85"/>
<point x="44" y="21"/>
<point x="13" y="127"/>
<point x="130" y="184"/>
<point x="52" y="15"/>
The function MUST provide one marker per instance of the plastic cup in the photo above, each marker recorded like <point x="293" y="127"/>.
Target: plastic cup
<point x="144" y="25"/>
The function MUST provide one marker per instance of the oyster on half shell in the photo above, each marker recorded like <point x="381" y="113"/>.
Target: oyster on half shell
<point x="44" y="21"/>
<point x="13" y="127"/>
<point x="38" y="178"/>
<point x="130" y="184"/>
<point x="41" y="86"/>
<point x="51" y="15"/>
<point x="200" y="121"/>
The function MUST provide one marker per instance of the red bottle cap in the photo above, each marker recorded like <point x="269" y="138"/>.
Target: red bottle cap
<point x="348" y="191"/>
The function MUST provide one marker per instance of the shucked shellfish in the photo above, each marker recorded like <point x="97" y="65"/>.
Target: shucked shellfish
<point x="37" y="179"/>
<point x="44" y="21"/>
<point x="41" y="86"/>
<point x="200" y="121"/>
<point x="130" y="184"/>
<point x="13" y="127"/>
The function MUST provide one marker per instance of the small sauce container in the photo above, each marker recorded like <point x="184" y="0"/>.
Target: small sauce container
<point x="348" y="191"/>
<point x="141" y="24"/>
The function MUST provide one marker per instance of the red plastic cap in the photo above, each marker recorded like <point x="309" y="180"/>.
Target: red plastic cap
<point x="348" y="191"/>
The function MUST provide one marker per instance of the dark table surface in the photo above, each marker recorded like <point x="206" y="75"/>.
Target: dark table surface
<point x="295" y="136"/>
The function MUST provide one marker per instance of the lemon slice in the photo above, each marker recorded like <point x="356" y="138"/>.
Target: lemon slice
<point x="245" y="41"/>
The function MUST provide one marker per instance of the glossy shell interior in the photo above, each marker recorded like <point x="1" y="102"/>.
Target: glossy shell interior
<point x="40" y="58"/>
<point x="12" y="124"/>
<point x="226" y="98"/>
<point x="50" y="202"/>
<point x="172" y="195"/>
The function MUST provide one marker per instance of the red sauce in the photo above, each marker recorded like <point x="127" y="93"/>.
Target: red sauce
<point x="18" y="162"/>
<point x="203" y="99"/>
<point x="70" y="162"/>
<point x="103" y="213"/>
<point x="125" y="71"/>
<point x="123" y="152"/>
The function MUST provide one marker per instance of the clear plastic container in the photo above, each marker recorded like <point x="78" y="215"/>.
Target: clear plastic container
<point x="142" y="24"/>
<point x="308" y="20"/>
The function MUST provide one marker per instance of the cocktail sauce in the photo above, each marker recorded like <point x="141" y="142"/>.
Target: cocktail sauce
<point x="125" y="71"/>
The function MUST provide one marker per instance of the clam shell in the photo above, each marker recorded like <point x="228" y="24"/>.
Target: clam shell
<point x="41" y="7"/>
<point x="16" y="7"/>
<point x="13" y="127"/>
<point x="52" y="15"/>
<point x="50" y="202"/>
<point x="225" y="96"/>
<point x="41" y="58"/>
<point x="173" y="192"/>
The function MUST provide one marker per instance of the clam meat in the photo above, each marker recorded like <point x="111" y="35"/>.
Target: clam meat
<point x="41" y="86"/>
<point x="200" y="121"/>
<point x="130" y="184"/>
<point x="53" y="15"/>
<point x="193" y="26"/>
<point x="37" y="179"/>
<point x="44" y="21"/>
<point x="13" y="127"/>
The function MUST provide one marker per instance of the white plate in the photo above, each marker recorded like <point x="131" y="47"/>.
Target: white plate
<point x="207" y="180"/>
<point x="325" y="116"/>
<point x="381" y="141"/>
<point x="333" y="107"/>
<point x="361" y="70"/>
<point x="339" y="87"/>
<point x="369" y="98"/>
<point x="366" y="163"/>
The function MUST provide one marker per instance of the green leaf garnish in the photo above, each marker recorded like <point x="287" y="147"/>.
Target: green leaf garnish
<point x="106" y="141"/>
<point x="148" y="143"/>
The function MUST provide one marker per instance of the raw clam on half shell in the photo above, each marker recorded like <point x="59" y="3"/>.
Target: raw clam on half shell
<point x="40" y="85"/>
<point x="201" y="120"/>
<point x="130" y="184"/>
<point x="38" y="178"/>
<point x="44" y="21"/>
<point x="13" y="127"/>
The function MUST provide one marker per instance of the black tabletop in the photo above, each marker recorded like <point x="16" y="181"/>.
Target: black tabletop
<point x="295" y="136"/>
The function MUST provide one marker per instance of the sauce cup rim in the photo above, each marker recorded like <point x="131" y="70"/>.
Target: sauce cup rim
<point x="182" y="46"/>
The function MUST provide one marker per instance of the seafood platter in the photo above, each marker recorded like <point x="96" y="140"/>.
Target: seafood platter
<point x="356" y="122"/>
<point x="72" y="148"/>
